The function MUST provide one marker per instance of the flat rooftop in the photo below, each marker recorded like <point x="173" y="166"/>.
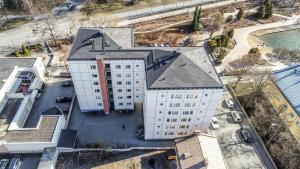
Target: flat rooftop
<point x="43" y="133"/>
<point x="10" y="109"/>
<point x="7" y="66"/>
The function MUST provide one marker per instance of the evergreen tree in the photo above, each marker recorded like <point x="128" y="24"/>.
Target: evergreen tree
<point x="197" y="25"/>
<point x="269" y="10"/>
<point x="240" y="14"/>
<point x="262" y="11"/>
<point x="194" y="22"/>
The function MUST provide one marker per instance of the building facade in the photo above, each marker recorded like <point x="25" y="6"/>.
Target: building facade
<point x="178" y="87"/>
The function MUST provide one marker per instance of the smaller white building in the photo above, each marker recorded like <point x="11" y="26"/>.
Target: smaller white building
<point x="21" y="81"/>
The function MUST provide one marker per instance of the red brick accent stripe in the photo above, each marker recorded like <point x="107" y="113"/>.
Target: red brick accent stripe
<point x="101" y="74"/>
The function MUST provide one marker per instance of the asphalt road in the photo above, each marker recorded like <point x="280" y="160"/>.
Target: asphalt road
<point x="239" y="155"/>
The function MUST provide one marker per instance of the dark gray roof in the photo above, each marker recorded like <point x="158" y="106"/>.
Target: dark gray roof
<point x="67" y="138"/>
<point x="10" y="109"/>
<point x="166" y="67"/>
<point x="7" y="66"/>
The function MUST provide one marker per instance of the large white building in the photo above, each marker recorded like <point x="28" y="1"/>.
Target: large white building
<point x="177" y="86"/>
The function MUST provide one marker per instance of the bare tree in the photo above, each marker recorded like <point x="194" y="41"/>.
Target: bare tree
<point x="50" y="27"/>
<point x="259" y="80"/>
<point x="216" y="24"/>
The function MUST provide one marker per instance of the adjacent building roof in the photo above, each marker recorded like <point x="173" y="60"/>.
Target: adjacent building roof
<point x="199" y="152"/>
<point x="166" y="67"/>
<point x="288" y="82"/>
<point x="10" y="109"/>
<point x="7" y="66"/>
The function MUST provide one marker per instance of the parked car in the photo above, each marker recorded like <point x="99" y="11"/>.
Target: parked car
<point x="214" y="123"/>
<point x="229" y="103"/>
<point x="236" y="116"/>
<point x="14" y="163"/>
<point x="63" y="99"/>
<point x="67" y="84"/>
<point x="246" y="135"/>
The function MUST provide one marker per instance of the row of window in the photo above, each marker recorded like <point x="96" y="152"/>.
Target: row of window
<point x="128" y="104"/>
<point x="179" y="96"/>
<point x="177" y="112"/>
<point x="127" y="82"/>
<point x="185" y="104"/>
<point x="126" y="66"/>
<point x="127" y="90"/>
<point x="127" y="75"/>
<point x="121" y="97"/>
<point x="173" y="127"/>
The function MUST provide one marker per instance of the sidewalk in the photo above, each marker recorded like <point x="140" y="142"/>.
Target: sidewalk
<point x="241" y="37"/>
<point x="163" y="11"/>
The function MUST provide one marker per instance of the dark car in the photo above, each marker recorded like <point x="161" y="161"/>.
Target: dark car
<point x="63" y="99"/>
<point x="67" y="84"/>
<point x="140" y="132"/>
<point x="246" y="135"/>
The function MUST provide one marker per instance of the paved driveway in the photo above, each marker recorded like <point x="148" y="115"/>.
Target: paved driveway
<point x="237" y="153"/>
<point x="108" y="129"/>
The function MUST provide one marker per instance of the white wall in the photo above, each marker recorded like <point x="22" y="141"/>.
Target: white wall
<point x="171" y="114"/>
<point x="86" y="85"/>
<point x="128" y="78"/>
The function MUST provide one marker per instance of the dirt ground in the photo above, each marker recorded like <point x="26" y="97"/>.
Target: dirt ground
<point x="175" y="30"/>
<point x="129" y="160"/>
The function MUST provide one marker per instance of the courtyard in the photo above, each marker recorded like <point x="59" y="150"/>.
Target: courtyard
<point x="108" y="130"/>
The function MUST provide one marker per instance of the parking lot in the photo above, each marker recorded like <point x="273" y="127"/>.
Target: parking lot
<point x="237" y="153"/>
<point x="52" y="89"/>
<point x="108" y="129"/>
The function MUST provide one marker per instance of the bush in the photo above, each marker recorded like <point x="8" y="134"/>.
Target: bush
<point x="240" y="14"/>
<point x="230" y="33"/>
<point x="212" y="44"/>
<point x="254" y="51"/>
<point x="25" y="51"/>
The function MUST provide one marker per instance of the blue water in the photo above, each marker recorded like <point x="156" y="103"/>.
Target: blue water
<point x="288" y="39"/>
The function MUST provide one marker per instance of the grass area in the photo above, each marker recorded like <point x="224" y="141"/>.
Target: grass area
<point x="14" y="23"/>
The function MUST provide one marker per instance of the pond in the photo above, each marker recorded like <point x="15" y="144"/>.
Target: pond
<point x="287" y="39"/>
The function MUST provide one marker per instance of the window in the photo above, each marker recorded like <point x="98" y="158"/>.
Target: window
<point x="180" y="133"/>
<point x="205" y="94"/>
<point x="183" y="120"/>
<point x="189" y="119"/>
<point x="119" y="90"/>
<point x="96" y="83"/>
<point x="182" y="126"/>
<point x="177" y="105"/>
<point x="187" y="126"/>
<point x="203" y="104"/>
<point x="120" y="97"/>
<point x="128" y="104"/>
<point x="170" y="105"/>
<point x="169" y="133"/>
<point x="191" y="112"/>
<point x="93" y="67"/>
<point x="172" y="127"/>
<point x="194" y="104"/>
<point x="128" y="82"/>
<point x="136" y="89"/>
<point x="118" y="66"/>
<point x="159" y="119"/>
<point x="189" y="96"/>
<point x="196" y="96"/>
<point x="161" y="104"/>
<point x="185" y="112"/>
<point x="136" y="96"/>
<point x="98" y="97"/>
<point x="127" y="66"/>
<point x="172" y="96"/>
<point x="97" y="90"/>
<point x="173" y="112"/>
<point x="119" y="83"/>
<point x="128" y="90"/>
<point x="128" y="97"/>
<point x="94" y="75"/>
<point x="99" y="104"/>
<point x="173" y="120"/>
<point x="160" y="112"/>
<point x="137" y="65"/>
<point x="120" y="104"/>
<point x="137" y="82"/>
<point x="187" y="105"/>
<point x="158" y="126"/>
<point x="178" y="96"/>
<point x="119" y="75"/>
<point x="162" y="96"/>
<point x="128" y="75"/>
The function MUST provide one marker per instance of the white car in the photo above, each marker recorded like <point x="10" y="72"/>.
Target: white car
<point x="229" y="103"/>
<point x="236" y="116"/>
<point x="214" y="123"/>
